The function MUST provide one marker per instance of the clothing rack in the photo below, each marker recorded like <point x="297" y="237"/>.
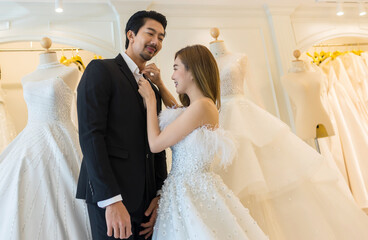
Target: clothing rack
<point x="38" y="50"/>
<point x="340" y="45"/>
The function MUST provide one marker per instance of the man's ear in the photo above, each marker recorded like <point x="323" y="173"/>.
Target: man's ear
<point x="130" y="35"/>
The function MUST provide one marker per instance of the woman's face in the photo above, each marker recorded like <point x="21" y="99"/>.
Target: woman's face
<point x="182" y="78"/>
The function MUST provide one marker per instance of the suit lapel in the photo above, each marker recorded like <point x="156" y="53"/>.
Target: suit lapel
<point x="129" y="75"/>
<point x="158" y="97"/>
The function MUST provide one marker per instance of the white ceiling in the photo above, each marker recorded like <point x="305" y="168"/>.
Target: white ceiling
<point x="202" y="4"/>
<point x="207" y="2"/>
<point x="187" y="2"/>
<point x="212" y="3"/>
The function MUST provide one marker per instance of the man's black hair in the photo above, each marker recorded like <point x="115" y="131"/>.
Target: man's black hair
<point x="138" y="19"/>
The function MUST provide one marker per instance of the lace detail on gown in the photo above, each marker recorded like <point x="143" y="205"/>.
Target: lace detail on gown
<point x="232" y="74"/>
<point x="195" y="203"/>
<point x="39" y="170"/>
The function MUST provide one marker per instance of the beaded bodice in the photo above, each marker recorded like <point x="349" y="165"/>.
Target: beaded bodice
<point x="197" y="151"/>
<point x="232" y="69"/>
<point x="48" y="100"/>
<point x="195" y="203"/>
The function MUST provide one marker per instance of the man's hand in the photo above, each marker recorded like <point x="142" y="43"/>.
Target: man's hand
<point x="152" y="210"/>
<point x="152" y="72"/>
<point x="118" y="221"/>
<point x="146" y="91"/>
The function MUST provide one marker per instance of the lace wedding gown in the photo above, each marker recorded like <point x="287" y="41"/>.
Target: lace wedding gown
<point x="195" y="203"/>
<point x="291" y="190"/>
<point x="7" y="128"/>
<point x="39" y="170"/>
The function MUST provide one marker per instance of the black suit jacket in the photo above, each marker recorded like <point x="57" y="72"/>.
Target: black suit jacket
<point x="113" y="137"/>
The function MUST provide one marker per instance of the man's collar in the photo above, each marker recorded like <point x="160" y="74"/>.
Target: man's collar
<point x="131" y="64"/>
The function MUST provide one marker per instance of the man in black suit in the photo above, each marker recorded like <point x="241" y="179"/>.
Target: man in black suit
<point x="120" y="178"/>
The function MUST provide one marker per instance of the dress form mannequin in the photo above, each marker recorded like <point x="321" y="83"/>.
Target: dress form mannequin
<point x="233" y="63"/>
<point x="44" y="160"/>
<point x="304" y="89"/>
<point x="224" y="57"/>
<point x="217" y="47"/>
<point x="50" y="67"/>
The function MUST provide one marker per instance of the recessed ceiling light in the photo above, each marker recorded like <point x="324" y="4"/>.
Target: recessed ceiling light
<point x="362" y="10"/>
<point x="339" y="10"/>
<point x="58" y="6"/>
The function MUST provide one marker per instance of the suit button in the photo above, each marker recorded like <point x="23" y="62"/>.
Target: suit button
<point x="147" y="155"/>
<point x="90" y="187"/>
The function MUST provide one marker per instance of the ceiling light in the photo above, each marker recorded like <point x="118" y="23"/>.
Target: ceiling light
<point x="339" y="11"/>
<point x="58" y="6"/>
<point x="362" y="10"/>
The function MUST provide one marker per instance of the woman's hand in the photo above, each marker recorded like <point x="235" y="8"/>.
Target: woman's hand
<point x="152" y="72"/>
<point x="146" y="91"/>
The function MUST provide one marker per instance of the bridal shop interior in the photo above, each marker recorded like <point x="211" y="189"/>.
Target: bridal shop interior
<point x="267" y="32"/>
<point x="280" y="44"/>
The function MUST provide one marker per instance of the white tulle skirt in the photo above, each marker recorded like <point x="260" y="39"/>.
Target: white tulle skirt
<point x="291" y="191"/>
<point x="38" y="180"/>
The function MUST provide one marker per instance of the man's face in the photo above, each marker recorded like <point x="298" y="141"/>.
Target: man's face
<point x="148" y="41"/>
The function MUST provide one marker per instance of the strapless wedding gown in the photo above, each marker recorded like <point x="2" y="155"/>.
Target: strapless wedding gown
<point x="39" y="170"/>
<point x="7" y="128"/>
<point x="195" y="203"/>
<point x="291" y="190"/>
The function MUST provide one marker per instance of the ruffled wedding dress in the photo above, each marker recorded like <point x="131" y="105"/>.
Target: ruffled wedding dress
<point x="364" y="56"/>
<point x="291" y="191"/>
<point x="7" y="128"/>
<point x="39" y="170"/>
<point x="349" y="113"/>
<point x="358" y="74"/>
<point x="195" y="203"/>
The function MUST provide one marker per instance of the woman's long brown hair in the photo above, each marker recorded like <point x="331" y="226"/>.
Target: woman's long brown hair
<point x="200" y="62"/>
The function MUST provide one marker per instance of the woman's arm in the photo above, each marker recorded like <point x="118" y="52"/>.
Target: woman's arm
<point x="153" y="73"/>
<point x="199" y="113"/>
<point x="167" y="97"/>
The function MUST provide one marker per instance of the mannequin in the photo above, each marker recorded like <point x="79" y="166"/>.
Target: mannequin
<point x="218" y="49"/>
<point x="289" y="189"/>
<point x="50" y="67"/>
<point x="39" y="168"/>
<point x="304" y="89"/>
<point x="240" y="60"/>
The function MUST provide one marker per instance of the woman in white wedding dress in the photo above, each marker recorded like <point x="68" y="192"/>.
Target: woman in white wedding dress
<point x="195" y="203"/>
<point x="39" y="169"/>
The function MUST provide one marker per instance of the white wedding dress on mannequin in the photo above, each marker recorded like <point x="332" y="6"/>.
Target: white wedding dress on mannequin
<point x="7" y="128"/>
<point x="195" y="203"/>
<point x="291" y="191"/>
<point x="39" y="169"/>
<point x="349" y="112"/>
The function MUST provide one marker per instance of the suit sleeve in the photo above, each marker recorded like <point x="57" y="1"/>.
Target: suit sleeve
<point x="94" y="92"/>
<point x="161" y="169"/>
